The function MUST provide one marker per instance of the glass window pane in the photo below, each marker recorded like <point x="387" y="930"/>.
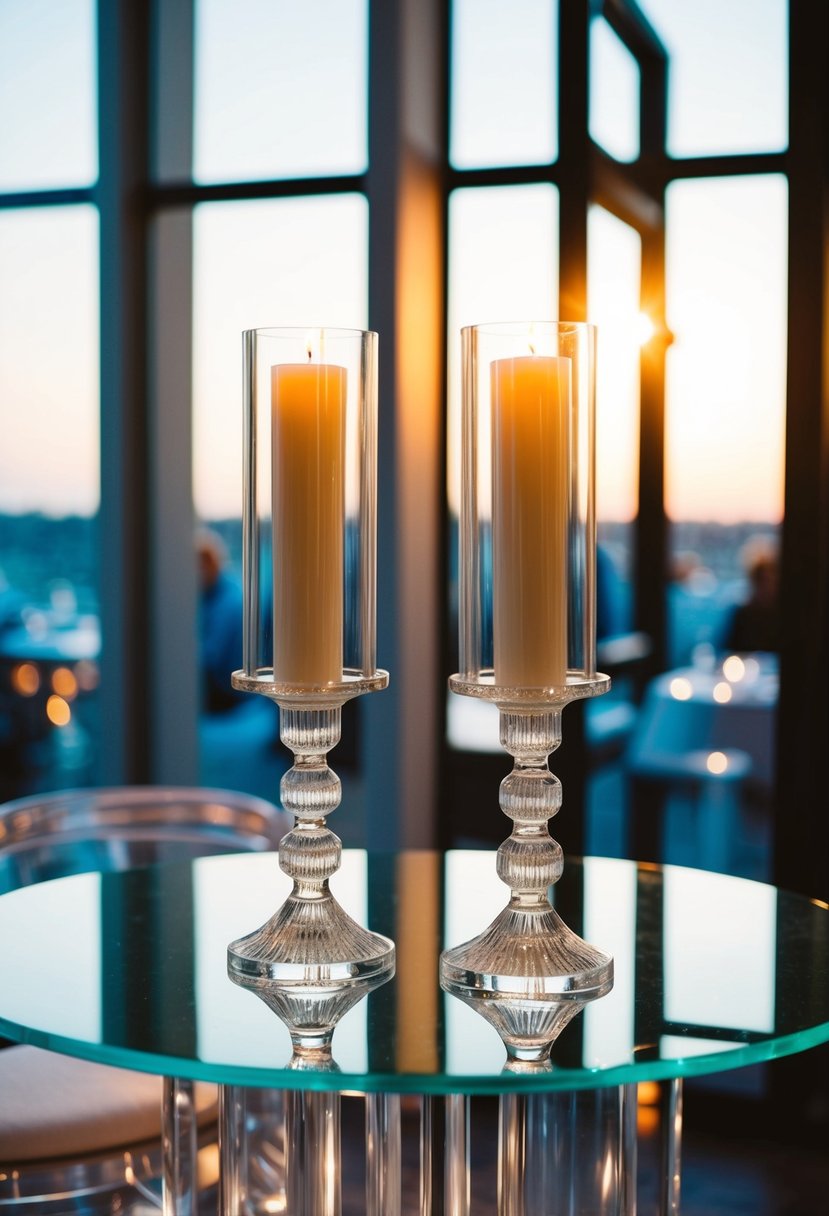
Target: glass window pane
<point x="48" y="85"/>
<point x="725" y="424"/>
<point x="281" y="89"/>
<point x="726" y="284"/>
<point x="49" y="490"/>
<point x="300" y="261"/>
<point x="613" y="284"/>
<point x="728" y="76"/>
<point x="503" y="266"/>
<point x="276" y="262"/>
<point x="504" y="103"/>
<point x="614" y="93"/>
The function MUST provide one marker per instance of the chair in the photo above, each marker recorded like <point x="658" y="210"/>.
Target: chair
<point x="75" y="1136"/>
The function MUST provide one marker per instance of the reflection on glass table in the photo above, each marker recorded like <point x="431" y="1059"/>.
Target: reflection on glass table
<point x="711" y="973"/>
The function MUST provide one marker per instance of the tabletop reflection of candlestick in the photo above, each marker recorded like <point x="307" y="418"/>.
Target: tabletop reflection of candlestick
<point x="528" y="491"/>
<point x="310" y="458"/>
<point x="309" y="1130"/>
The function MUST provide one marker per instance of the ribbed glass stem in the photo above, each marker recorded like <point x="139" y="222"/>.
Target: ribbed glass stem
<point x="310" y="791"/>
<point x="530" y="861"/>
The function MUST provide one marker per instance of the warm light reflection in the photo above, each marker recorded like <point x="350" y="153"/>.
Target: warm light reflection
<point x="58" y="711"/>
<point x="722" y="692"/>
<point x="64" y="683"/>
<point x="608" y="1174"/>
<point x="647" y="1120"/>
<point x="734" y="669"/>
<point x="681" y="689"/>
<point x="25" y="679"/>
<point x="647" y="1093"/>
<point x="717" y="763"/>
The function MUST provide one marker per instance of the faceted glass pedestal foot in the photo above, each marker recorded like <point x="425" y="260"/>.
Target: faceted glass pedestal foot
<point x="528" y="974"/>
<point x="311" y="962"/>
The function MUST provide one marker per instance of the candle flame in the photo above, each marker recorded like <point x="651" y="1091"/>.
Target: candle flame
<point x="531" y="339"/>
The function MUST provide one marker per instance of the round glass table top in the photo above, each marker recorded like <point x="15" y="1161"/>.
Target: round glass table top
<point x="130" y="968"/>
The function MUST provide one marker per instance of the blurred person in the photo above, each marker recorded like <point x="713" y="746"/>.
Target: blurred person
<point x="755" y="624"/>
<point x="220" y="624"/>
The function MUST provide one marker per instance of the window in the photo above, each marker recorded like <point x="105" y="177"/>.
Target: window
<point x="614" y="93"/>
<point x="280" y="89"/>
<point x="49" y="396"/>
<point x="503" y="102"/>
<point x="728" y="76"/>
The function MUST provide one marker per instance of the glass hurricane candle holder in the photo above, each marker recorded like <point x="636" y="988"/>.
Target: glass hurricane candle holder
<point x="528" y="643"/>
<point x="309" y="554"/>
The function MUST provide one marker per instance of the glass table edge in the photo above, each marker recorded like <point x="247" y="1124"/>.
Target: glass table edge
<point x="427" y="1084"/>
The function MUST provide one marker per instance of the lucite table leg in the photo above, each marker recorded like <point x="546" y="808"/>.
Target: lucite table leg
<point x="671" y="1136"/>
<point x="232" y="1147"/>
<point x="629" y="1099"/>
<point x="456" y="1176"/>
<point x="383" y="1176"/>
<point x="179" y="1178"/>
<point x="560" y="1154"/>
<point x="313" y="1151"/>
<point x="432" y="1154"/>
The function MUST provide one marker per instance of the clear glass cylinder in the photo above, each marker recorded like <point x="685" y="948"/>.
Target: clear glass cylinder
<point x="528" y="514"/>
<point x="309" y="516"/>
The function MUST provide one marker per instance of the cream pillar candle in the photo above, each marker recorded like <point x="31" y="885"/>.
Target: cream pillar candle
<point x="308" y="441"/>
<point x="530" y="478"/>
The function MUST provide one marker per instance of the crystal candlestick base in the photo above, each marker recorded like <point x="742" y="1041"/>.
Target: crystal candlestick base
<point x="528" y="974"/>
<point x="311" y="961"/>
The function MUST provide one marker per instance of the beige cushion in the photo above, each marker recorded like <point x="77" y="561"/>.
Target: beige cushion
<point x="56" y="1106"/>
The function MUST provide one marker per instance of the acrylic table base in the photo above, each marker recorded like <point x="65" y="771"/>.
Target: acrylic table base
<point x="528" y="974"/>
<point x="536" y="1154"/>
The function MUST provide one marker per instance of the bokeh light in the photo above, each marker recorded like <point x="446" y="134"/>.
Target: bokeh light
<point x="717" y="763"/>
<point x="64" y="683"/>
<point x="25" y="679"/>
<point x="681" y="689"/>
<point x="58" y="711"/>
<point x="734" y="669"/>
